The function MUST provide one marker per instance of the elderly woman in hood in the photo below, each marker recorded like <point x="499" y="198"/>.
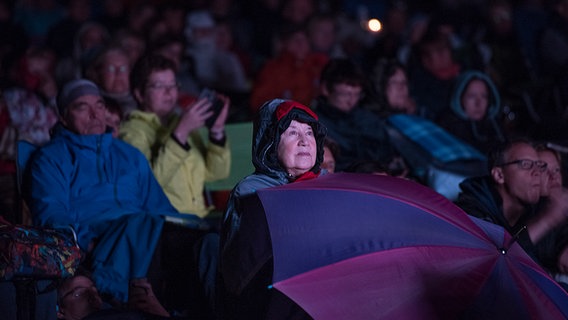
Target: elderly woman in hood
<point x="475" y="109"/>
<point x="287" y="147"/>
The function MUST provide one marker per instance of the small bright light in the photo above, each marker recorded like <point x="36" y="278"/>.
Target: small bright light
<point x="374" y="25"/>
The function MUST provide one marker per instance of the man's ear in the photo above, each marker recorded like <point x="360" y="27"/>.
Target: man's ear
<point x="497" y="175"/>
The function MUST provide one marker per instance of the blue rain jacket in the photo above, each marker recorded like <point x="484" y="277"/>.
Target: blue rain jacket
<point x="105" y="190"/>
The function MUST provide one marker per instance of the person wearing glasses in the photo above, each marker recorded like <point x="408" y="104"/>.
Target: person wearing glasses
<point x="78" y="298"/>
<point x="509" y="195"/>
<point x="359" y="133"/>
<point x="110" y="70"/>
<point x="169" y="138"/>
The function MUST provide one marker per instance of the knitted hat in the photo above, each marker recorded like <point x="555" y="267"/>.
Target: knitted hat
<point x="73" y="90"/>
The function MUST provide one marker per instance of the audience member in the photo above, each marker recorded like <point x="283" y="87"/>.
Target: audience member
<point x="552" y="47"/>
<point x="110" y="70"/>
<point x="182" y="162"/>
<point x="102" y="188"/>
<point x="37" y="17"/>
<point x="509" y="64"/>
<point x="359" y="133"/>
<point x="89" y="39"/>
<point x="390" y="85"/>
<point x="34" y="73"/>
<point x="77" y="13"/>
<point x="322" y="33"/>
<point x="113" y="15"/>
<point x="432" y="76"/>
<point x="287" y="147"/>
<point x="507" y="197"/>
<point x="292" y="74"/>
<point x="78" y="298"/>
<point x="475" y="112"/>
<point x="172" y="47"/>
<point x="330" y="153"/>
<point x="133" y="44"/>
<point x="214" y="68"/>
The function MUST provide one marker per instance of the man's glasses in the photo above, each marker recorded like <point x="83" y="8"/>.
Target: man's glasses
<point x="527" y="164"/>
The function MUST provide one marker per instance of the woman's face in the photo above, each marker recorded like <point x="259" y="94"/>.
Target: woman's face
<point x="475" y="100"/>
<point x="161" y="93"/>
<point x="397" y="90"/>
<point x="297" y="150"/>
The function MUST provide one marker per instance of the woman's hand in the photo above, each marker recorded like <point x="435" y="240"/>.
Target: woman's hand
<point x="217" y="130"/>
<point x="193" y="118"/>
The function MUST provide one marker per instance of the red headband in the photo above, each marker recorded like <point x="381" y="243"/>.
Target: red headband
<point x="285" y="107"/>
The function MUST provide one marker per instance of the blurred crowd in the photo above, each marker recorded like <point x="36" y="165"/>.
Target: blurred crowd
<point x="400" y="86"/>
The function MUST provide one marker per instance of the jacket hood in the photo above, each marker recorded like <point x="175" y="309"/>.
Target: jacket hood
<point x="273" y="118"/>
<point x="461" y="83"/>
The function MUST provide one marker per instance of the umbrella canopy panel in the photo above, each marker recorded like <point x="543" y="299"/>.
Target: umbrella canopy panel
<point x="390" y="248"/>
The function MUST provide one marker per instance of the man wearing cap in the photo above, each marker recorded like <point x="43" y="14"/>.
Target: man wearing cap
<point x="101" y="187"/>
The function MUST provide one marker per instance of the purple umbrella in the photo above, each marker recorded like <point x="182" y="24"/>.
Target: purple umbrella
<point x="357" y="246"/>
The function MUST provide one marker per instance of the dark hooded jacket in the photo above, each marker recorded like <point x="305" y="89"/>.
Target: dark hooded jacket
<point x="246" y="252"/>
<point x="482" y="134"/>
<point x="480" y="199"/>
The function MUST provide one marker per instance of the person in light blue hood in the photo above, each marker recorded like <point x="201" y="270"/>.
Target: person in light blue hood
<point x="475" y="111"/>
<point x="102" y="188"/>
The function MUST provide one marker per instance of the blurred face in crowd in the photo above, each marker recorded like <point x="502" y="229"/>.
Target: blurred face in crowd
<point x="397" y="90"/>
<point x="328" y="160"/>
<point x="113" y="121"/>
<point x="322" y="35"/>
<point x="114" y="72"/>
<point x="86" y="115"/>
<point x="298" y="44"/>
<point x="475" y="99"/>
<point x="552" y="177"/>
<point x="518" y="177"/>
<point x="78" y="298"/>
<point x="160" y="94"/>
<point x="436" y="56"/>
<point x="344" y="96"/>
<point x="297" y="148"/>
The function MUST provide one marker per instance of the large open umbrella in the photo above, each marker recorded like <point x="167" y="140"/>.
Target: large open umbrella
<point x="355" y="246"/>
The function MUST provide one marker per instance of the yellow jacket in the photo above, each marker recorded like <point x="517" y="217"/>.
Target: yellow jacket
<point x="181" y="173"/>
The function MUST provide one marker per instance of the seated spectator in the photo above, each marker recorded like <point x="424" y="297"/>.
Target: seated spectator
<point x="330" y="153"/>
<point x="507" y="197"/>
<point x="78" y="298"/>
<point x="182" y="162"/>
<point x="390" y="84"/>
<point x="217" y="69"/>
<point x="323" y="34"/>
<point x="110" y="70"/>
<point x="432" y="76"/>
<point x="34" y="73"/>
<point x="287" y="146"/>
<point x="475" y="110"/>
<point x="172" y="47"/>
<point x="86" y="44"/>
<point x="102" y="188"/>
<point x="359" y="133"/>
<point x="292" y="74"/>
<point x="23" y="116"/>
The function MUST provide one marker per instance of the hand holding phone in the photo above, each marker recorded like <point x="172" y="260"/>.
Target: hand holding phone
<point x="216" y="105"/>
